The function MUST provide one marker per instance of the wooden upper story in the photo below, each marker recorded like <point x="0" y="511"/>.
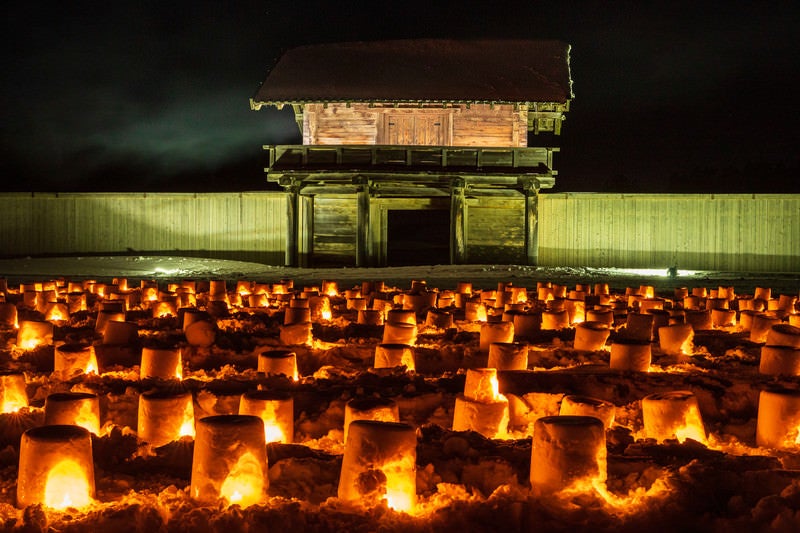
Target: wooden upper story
<point x="429" y="92"/>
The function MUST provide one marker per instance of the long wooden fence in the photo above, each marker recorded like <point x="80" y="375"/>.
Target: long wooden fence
<point x="731" y="232"/>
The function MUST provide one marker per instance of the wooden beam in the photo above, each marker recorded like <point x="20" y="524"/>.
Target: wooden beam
<point x="363" y="244"/>
<point x="292" y="189"/>
<point x="531" y="189"/>
<point x="458" y="222"/>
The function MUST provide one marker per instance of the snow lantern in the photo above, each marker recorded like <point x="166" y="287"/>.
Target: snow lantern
<point x="399" y="333"/>
<point x="162" y="363"/>
<point x="676" y="339"/>
<point x="723" y="318"/>
<point x="778" y="424"/>
<point x="527" y="324"/>
<point x="12" y="392"/>
<point x="56" y="312"/>
<point x="278" y="362"/>
<point x="508" y="356"/>
<point x="330" y="288"/>
<point x="118" y="332"/>
<point x="74" y="358"/>
<point x="275" y="409"/>
<point x="8" y="315"/>
<point x="73" y="408"/>
<point x="296" y="334"/>
<point x="391" y="355"/>
<point x="591" y="336"/>
<point x="295" y="314"/>
<point x="495" y="332"/>
<point x="760" y="326"/>
<point x="474" y="311"/>
<point x="379" y="463"/>
<point x="630" y="354"/>
<point x="230" y="460"/>
<point x="779" y="361"/>
<point x="784" y="335"/>
<point x="439" y="319"/>
<point x="165" y="417"/>
<point x="673" y="415"/>
<point x="370" y="408"/>
<point x="56" y="467"/>
<point x="370" y="317"/>
<point x="602" y="314"/>
<point x="567" y="452"/>
<point x="481" y="408"/>
<point x="106" y="316"/>
<point x="33" y="334"/>
<point x="573" y="404"/>
<point x="639" y="326"/>
<point x="555" y="319"/>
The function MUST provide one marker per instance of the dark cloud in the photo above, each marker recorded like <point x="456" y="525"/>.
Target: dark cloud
<point x="155" y="94"/>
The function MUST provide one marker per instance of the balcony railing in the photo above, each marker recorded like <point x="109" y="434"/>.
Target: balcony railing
<point x="338" y="158"/>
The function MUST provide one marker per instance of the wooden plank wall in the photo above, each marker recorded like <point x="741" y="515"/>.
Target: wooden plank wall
<point x="733" y="232"/>
<point x="247" y="226"/>
<point x="476" y="125"/>
<point x="729" y="232"/>
<point x="495" y="230"/>
<point x="335" y="221"/>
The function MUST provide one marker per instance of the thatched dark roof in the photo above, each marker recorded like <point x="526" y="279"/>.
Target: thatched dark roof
<point x="421" y="70"/>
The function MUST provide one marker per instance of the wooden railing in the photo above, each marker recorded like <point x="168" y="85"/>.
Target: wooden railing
<point x="340" y="157"/>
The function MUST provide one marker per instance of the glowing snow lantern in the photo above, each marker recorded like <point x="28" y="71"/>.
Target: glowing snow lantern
<point x="56" y="312"/>
<point x="527" y="325"/>
<point x="474" y="311"/>
<point x="165" y="308"/>
<point x="230" y="460"/>
<point x="55" y="467"/>
<point x="296" y="334"/>
<point x="12" y="392"/>
<point x="165" y="417"/>
<point x="760" y="326"/>
<point x="723" y="318"/>
<point x="73" y="408"/>
<point x="278" y="362"/>
<point x="603" y="410"/>
<point x="700" y="319"/>
<point x="106" y="316"/>
<point x="117" y="333"/>
<point x="275" y="409"/>
<point x="639" y="326"/>
<point x="379" y="463"/>
<point x="778" y="424"/>
<point x="555" y="319"/>
<point x="296" y="314"/>
<point x="391" y="355"/>
<point x="779" y="361"/>
<point x="330" y="288"/>
<point x="495" y="332"/>
<point x="71" y="359"/>
<point x="320" y="308"/>
<point x="399" y="333"/>
<point x="419" y="302"/>
<point x="439" y="319"/>
<point x="370" y="317"/>
<point x="676" y="339"/>
<point x="371" y="408"/>
<point x="603" y="315"/>
<point x="673" y="415"/>
<point x="33" y="334"/>
<point x="162" y="363"/>
<point x="8" y="315"/>
<point x="200" y="332"/>
<point x="401" y="316"/>
<point x="630" y="354"/>
<point x="508" y="356"/>
<point x="784" y="335"/>
<point x="567" y="452"/>
<point x="481" y="408"/>
<point x="591" y="336"/>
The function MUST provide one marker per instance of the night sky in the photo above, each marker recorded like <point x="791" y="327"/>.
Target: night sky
<point x="153" y="96"/>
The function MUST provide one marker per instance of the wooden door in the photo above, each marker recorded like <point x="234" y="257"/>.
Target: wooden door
<point x="410" y="129"/>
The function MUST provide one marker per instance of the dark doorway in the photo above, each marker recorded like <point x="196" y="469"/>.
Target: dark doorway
<point x="418" y="237"/>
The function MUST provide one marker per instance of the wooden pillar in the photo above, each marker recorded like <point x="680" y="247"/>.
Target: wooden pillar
<point x="292" y="190"/>
<point x="458" y="222"/>
<point x="531" y="189"/>
<point x="363" y="243"/>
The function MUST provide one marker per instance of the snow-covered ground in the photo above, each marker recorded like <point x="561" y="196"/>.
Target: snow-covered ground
<point x="442" y="276"/>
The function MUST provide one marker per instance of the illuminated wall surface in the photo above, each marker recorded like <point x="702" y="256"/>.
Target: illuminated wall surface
<point x="736" y="232"/>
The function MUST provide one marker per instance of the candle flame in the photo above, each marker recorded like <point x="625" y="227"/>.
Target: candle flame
<point x="401" y="488"/>
<point x="245" y="482"/>
<point x="67" y="486"/>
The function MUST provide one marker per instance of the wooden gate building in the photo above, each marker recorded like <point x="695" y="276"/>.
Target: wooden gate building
<point x="416" y="151"/>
